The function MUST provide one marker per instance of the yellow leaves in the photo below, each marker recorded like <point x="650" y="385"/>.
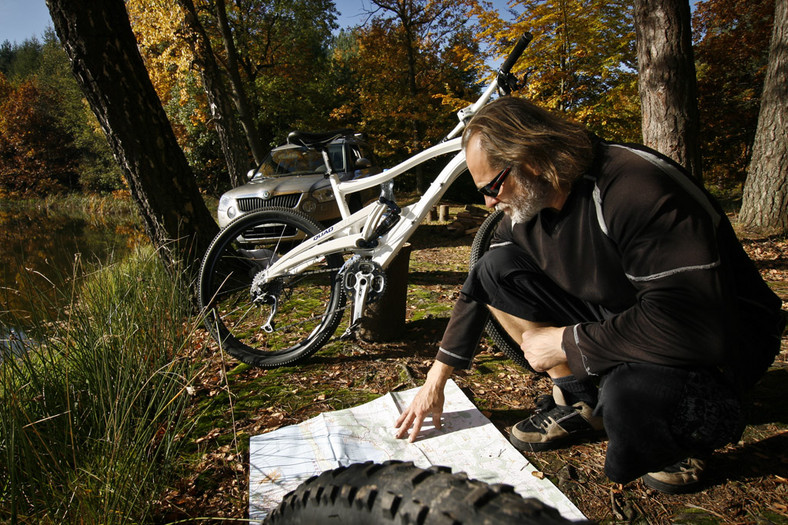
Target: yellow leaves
<point x="580" y="61"/>
<point x="447" y="99"/>
<point x="198" y="118"/>
<point x="157" y="24"/>
<point x="408" y="108"/>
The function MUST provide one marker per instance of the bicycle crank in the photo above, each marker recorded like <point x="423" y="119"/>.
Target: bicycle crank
<point x="365" y="281"/>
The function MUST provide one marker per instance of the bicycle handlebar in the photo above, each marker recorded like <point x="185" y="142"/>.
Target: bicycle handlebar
<point x="519" y="47"/>
<point x="501" y="82"/>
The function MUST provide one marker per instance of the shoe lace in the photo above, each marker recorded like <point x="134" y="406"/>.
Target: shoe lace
<point x="544" y="402"/>
<point x="547" y="410"/>
<point x="686" y="465"/>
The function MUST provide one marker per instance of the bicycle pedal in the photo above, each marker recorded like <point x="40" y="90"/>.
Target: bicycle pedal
<point x="351" y="332"/>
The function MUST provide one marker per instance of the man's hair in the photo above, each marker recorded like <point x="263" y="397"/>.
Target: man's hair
<point x="514" y="132"/>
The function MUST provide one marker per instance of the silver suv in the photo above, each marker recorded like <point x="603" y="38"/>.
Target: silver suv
<point x="292" y="176"/>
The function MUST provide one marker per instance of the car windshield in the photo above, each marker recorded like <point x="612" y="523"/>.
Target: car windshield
<point x="288" y="161"/>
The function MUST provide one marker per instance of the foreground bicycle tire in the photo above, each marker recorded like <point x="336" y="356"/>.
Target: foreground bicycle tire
<point x="399" y="492"/>
<point x="502" y="340"/>
<point x="310" y="305"/>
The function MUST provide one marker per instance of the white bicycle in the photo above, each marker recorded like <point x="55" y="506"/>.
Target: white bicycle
<point x="274" y="285"/>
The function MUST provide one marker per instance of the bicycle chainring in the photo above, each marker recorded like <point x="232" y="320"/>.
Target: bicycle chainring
<point x="359" y="270"/>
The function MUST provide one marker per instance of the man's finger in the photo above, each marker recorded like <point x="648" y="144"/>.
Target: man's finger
<point x="401" y="418"/>
<point x="404" y="424"/>
<point x="416" y="429"/>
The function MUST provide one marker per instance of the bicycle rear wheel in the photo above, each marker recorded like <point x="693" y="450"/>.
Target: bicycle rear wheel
<point x="309" y="306"/>
<point x="500" y="338"/>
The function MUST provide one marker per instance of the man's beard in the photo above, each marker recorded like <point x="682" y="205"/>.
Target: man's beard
<point x="530" y="196"/>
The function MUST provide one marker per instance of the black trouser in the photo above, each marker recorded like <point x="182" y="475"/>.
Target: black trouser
<point x="654" y="415"/>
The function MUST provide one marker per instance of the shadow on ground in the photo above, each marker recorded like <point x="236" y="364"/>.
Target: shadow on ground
<point x="760" y="459"/>
<point x="768" y="399"/>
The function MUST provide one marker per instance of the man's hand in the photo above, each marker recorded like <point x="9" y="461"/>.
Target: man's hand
<point x="542" y="347"/>
<point x="428" y="402"/>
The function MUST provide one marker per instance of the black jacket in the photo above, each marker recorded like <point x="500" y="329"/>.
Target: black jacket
<point x="640" y="238"/>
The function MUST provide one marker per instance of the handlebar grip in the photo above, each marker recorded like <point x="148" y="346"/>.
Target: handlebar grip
<point x="519" y="47"/>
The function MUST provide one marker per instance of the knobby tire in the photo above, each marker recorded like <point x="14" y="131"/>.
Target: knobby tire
<point x="399" y="492"/>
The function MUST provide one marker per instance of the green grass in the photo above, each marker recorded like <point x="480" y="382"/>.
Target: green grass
<point x="425" y="304"/>
<point x="92" y="411"/>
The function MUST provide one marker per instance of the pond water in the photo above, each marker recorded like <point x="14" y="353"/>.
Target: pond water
<point x="41" y="251"/>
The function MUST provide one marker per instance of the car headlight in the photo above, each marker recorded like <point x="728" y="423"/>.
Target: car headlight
<point x="324" y="195"/>
<point x="224" y="202"/>
<point x="231" y="212"/>
<point x="308" y="206"/>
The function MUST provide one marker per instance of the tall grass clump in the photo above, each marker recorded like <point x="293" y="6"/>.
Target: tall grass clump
<point x="92" y="404"/>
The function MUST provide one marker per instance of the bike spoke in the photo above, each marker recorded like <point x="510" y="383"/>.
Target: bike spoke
<point x="309" y="305"/>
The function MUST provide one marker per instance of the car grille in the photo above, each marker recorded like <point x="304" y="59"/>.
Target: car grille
<point x="280" y="201"/>
<point x="272" y="232"/>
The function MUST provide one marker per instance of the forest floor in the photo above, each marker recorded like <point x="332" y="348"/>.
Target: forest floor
<point x="746" y="482"/>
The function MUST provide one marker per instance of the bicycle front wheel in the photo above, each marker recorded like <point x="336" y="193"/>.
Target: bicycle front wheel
<point x="397" y="492"/>
<point x="500" y="338"/>
<point x="276" y="323"/>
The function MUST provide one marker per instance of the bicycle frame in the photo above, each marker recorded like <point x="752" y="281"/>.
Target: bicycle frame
<point x="351" y="235"/>
<point x="345" y="234"/>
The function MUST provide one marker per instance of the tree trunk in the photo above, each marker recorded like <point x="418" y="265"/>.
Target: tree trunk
<point x="765" y="201"/>
<point x="385" y="318"/>
<point x="666" y="80"/>
<point x="239" y="93"/>
<point x="97" y="37"/>
<point x="222" y="110"/>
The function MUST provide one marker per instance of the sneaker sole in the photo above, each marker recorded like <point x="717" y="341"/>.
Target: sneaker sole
<point x="571" y="439"/>
<point x="669" y="488"/>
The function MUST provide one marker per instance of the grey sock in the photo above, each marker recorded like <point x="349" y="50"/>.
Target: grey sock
<point x="575" y="390"/>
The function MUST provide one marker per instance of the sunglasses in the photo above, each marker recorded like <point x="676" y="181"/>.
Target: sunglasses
<point x="492" y="188"/>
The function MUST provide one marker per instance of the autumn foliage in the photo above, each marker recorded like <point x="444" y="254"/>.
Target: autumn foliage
<point x="731" y="50"/>
<point x="399" y="76"/>
<point x="400" y="117"/>
<point x="37" y="156"/>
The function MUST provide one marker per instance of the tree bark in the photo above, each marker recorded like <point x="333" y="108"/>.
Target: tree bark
<point x="385" y="318"/>
<point x="219" y="102"/>
<point x="239" y="93"/>
<point x="666" y="80"/>
<point x="765" y="200"/>
<point x="97" y="37"/>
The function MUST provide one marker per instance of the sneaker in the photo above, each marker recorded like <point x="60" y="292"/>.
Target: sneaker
<point x="678" y="478"/>
<point x="555" y="424"/>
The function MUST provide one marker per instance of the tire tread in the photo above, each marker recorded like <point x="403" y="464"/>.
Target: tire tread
<point x="399" y="492"/>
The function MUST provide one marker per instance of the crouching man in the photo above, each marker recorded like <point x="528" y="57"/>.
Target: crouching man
<point x="623" y="280"/>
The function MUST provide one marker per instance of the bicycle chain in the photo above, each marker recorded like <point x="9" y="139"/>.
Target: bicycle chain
<point x="348" y="304"/>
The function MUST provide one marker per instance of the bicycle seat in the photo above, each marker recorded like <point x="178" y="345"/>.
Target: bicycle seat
<point x="313" y="140"/>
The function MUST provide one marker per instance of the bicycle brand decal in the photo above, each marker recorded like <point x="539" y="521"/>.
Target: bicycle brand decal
<point x="323" y="233"/>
